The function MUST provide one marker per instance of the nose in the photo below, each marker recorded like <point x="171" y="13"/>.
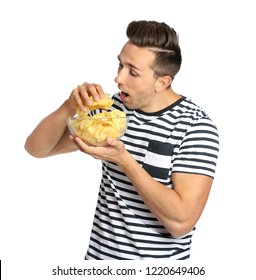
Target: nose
<point x="117" y="79"/>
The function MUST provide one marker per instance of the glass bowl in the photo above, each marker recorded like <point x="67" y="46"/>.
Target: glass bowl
<point x="95" y="129"/>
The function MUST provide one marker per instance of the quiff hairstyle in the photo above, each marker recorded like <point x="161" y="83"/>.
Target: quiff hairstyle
<point x="160" y="39"/>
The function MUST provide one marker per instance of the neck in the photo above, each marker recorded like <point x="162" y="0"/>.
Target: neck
<point x="167" y="98"/>
<point x="161" y="100"/>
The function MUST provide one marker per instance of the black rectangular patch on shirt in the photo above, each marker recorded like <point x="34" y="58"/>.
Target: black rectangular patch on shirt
<point x="156" y="172"/>
<point x="165" y="149"/>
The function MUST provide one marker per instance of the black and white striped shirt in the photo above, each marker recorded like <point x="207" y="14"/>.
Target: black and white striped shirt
<point x="179" y="138"/>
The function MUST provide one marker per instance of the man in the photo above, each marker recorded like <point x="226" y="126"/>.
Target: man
<point x="157" y="178"/>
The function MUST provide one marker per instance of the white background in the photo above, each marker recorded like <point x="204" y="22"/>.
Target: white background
<point x="49" y="47"/>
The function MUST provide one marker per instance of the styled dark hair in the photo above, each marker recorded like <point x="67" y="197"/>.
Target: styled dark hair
<point x="162" y="40"/>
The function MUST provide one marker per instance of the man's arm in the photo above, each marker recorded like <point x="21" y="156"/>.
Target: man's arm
<point x="179" y="208"/>
<point x="51" y="136"/>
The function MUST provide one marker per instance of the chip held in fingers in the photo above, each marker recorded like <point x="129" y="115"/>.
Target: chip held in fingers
<point x="95" y="129"/>
<point x="103" y="103"/>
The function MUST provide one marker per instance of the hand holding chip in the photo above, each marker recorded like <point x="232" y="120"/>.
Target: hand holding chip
<point x="84" y="95"/>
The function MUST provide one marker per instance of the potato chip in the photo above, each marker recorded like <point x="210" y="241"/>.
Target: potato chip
<point x="103" y="103"/>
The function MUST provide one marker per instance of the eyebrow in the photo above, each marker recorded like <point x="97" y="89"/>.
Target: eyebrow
<point x="129" y="64"/>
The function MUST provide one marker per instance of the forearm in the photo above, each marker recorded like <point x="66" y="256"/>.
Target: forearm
<point x="49" y="132"/>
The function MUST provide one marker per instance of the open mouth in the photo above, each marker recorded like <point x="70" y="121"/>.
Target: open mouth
<point x="124" y="95"/>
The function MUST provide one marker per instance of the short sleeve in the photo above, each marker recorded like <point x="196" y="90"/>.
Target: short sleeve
<point x="198" y="152"/>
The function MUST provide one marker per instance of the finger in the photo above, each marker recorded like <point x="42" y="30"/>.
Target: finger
<point x="95" y="91"/>
<point x="82" y="145"/>
<point x="72" y="138"/>
<point x="95" y="152"/>
<point x="100" y="91"/>
<point x="111" y="141"/>
<point x="75" y="94"/>
<point x="84" y="94"/>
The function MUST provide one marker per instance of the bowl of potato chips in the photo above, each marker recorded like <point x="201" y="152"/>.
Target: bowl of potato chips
<point x="95" y="129"/>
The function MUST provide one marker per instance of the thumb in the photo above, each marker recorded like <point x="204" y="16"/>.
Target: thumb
<point x="111" y="141"/>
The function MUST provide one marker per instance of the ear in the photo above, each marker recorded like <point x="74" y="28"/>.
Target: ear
<point x="163" y="82"/>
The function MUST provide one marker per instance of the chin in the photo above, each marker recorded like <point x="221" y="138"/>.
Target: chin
<point x="130" y="106"/>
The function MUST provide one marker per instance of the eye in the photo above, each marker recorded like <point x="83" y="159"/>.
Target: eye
<point x="120" y="66"/>
<point x="133" y="73"/>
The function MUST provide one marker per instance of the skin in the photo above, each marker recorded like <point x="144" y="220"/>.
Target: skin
<point x="179" y="208"/>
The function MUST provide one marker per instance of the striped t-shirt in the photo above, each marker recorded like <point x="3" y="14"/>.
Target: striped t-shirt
<point x="179" y="138"/>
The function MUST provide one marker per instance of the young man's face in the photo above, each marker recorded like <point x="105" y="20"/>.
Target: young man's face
<point x="136" y="79"/>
